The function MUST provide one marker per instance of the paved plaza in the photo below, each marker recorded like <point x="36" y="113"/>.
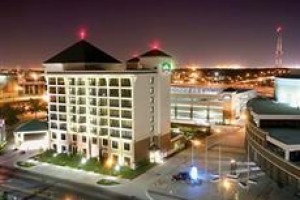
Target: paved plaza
<point x="157" y="184"/>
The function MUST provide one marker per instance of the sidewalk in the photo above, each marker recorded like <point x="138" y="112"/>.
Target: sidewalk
<point x="71" y="174"/>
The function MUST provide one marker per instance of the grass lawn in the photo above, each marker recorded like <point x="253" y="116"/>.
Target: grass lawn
<point x="107" y="182"/>
<point x="74" y="161"/>
<point x="25" y="164"/>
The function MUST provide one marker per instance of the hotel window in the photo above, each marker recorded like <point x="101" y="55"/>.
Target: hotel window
<point x="84" y="151"/>
<point x="62" y="108"/>
<point x="102" y="112"/>
<point x="53" y="125"/>
<point x="114" y="92"/>
<point x="93" y="92"/>
<point x="102" y="82"/>
<point x="54" y="147"/>
<point x="152" y="80"/>
<point x="114" y="123"/>
<point x="80" y="81"/>
<point x="102" y="92"/>
<point x="81" y="100"/>
<point x="126" y="114"/>
<point x="74" y="138"/>
<point x="63" y="136"/>
<point x="152" y="128"/>
<point x="53" y="135"/>
<point x="63" y="148"/>
<point x="52" y="108"/>
<point x="114" y="102"/>
<point x="61" y="91"/>
<point x="125" y="82"/>
<point x="81" y="91"/>
<point x="92" y="81"/>
<point x="152" y="90"/>
<point x="113" y="82"/>
<point x="126" y="103"/>
<point x="151" y="100"/>
<point x="72" y="91"/>
<point x="52" y="81"/>
<point x="60" y="81"/>
<point x="152" y="109"/>
<point x="127" y="146"/>
<point x="71" y="81"/>
<point x="52" y="90"/>
<point x="63" y="118"/>
<point x="126" y="93"/>
<point x="84" y="139"/>
<point x="53" y="117"/>
<point x="82" y="110"/>
<point x="104" y="142"/>
<point x="103" y="131"/>
<point x="152" y="119"/>
<point x="63" y="127"/>
<point x="126" y="135"/>
<point x="61" y="99"/>
<point x="114" y="113"/>
<point x="93" y="111"/>
<point x="126" y="124"/>
<point x="114" y="133"/>
<point x="103" y="122"/>
<point x="114" y="145"/>
<point x="102" y="102"/>
<point x="94" y="140"/>
<point x="52" y="99"/>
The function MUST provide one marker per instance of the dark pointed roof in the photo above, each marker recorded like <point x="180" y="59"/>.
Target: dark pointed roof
<point x="155" y="52"/>
<point x="82" y="52"/>
<point x="133" y="60"/>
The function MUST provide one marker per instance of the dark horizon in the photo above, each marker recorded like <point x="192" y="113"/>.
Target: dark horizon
<point x="206" y="33"/>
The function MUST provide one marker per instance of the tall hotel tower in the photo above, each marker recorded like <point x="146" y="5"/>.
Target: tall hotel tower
<point x="101" y="108"/>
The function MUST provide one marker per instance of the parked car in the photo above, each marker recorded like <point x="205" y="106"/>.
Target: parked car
<point x="181" y="176"/>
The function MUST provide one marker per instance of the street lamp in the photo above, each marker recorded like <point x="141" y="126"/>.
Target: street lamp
<point x="194" y="143"/>
<point x="232" y="167"/>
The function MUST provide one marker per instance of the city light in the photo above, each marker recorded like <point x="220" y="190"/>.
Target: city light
<point x="83" y="161"/>
<point x="194" y="173"/>
<point x="226" y="184"/>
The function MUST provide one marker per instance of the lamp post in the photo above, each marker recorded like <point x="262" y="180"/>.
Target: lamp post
<point x="194" y="143"/>
<point x="232" y="167"/>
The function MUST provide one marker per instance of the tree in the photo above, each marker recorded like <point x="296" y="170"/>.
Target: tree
<point x="35" y="106"/>
<point x="9" y="114"/>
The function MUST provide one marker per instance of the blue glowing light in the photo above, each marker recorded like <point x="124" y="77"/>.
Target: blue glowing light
<point x="194" y="173"/>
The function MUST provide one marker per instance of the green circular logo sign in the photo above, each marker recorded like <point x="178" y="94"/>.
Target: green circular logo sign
<point x="166" y="67"/>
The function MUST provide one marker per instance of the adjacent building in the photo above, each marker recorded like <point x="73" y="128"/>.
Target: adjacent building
<point x="208" y="105"/>
<point x="273" y="132"/>
<point x="102" y="108"/>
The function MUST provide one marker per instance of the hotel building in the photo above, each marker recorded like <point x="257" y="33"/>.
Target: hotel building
<point x="102" y="108"/>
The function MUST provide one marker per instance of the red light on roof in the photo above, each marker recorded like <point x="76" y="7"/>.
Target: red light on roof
<point x="135" y="55"/>
<point x="278" y="29"/>
<point x="82" y="33"/>
<point x="155" y="45"/>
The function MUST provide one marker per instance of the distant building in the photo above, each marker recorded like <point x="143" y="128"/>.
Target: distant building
<point x="273" y="132"/>
<point x="204" y="105"/>
<point x="101" y="108"/>
<point x="31" y="135"/>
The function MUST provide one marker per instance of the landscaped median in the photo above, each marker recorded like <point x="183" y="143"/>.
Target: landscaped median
<point x="25" y="164"/>
<point x="78" y="162"/>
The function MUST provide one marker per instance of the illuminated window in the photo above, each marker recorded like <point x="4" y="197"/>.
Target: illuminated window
<point x="104" y="142"/>
<point x="114" y="144"/>
<point x="127" y="146"/>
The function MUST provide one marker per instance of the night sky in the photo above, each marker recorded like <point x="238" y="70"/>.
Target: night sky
<point x="204" y="32"/>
